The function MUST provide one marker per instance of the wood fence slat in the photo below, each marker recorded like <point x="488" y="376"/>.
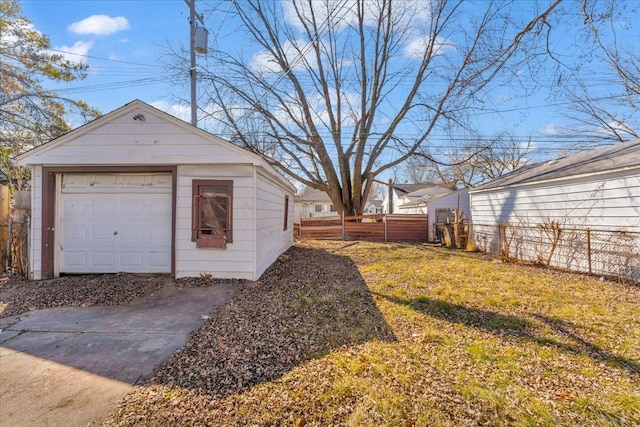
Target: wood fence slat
<point x="376" y="227"/>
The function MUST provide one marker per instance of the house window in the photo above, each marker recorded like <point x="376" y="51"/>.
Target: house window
<point x="332" y="208"/>
<point x="211" y="218"/>
<point x="286" y="212"/>
<point x="318" y="208"/>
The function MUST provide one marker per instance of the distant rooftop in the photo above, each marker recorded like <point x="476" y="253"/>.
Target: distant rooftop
<point x="312" y="195"/>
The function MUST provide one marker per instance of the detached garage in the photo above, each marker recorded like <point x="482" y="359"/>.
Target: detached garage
<point x="141" y="191"/>
<point x="580" y="212"/>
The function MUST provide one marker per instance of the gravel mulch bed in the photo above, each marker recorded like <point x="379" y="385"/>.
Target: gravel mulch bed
<point x="203" y="282"/>
<point x="18" y="294"/>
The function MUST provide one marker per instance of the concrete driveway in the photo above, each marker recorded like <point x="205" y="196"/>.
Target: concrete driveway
<point x="69" y="366"/>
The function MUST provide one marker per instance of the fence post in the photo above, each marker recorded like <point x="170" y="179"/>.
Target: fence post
<point x="589" y="249"/>
<point x="342" y="231"/>
<point x="9" y="233"/>
<point x="384" y="219"/>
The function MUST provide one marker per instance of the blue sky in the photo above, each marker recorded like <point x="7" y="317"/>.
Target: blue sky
<point x="120" y="40"/>
<point x="123" y="40"/>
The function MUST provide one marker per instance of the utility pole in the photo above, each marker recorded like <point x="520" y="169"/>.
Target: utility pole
<point x="201" y="48"/>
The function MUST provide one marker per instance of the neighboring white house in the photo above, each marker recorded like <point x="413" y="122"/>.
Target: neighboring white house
<point x="439" y="206"/>
<point x="597" y="190"/>
<point x="141" y="191"/>
<point x="373" y="207"/>
<point x="313" y="203"/>
<point x="406" y="193"/>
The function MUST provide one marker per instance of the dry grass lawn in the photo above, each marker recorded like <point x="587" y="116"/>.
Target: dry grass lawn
<point x="366" y="334"/>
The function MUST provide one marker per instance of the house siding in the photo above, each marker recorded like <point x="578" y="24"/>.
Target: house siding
<point x="35" y="245"/>
<point x="609" y="202"/>
<point x="605" y="203"/>
<point x="271" y="237"/>
<point x="236" y="261"/>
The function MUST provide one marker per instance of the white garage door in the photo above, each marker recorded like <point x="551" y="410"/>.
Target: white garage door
<point x="113" y="223"/>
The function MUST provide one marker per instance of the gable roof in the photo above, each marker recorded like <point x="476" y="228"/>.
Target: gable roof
<point x="409" y="188"/>
<point x="621" y="156"/>
<point x="61" y="146"/>
<point x="311" y="194"/>
<point x="437" y="193"/>
<point x="427" y="191"/>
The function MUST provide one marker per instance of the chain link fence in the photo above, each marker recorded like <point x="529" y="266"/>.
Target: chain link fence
<point x="612" y="253"/>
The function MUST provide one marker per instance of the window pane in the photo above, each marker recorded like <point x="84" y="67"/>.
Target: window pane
<point x="210" y="191"/>
<point x="213" y="214"/>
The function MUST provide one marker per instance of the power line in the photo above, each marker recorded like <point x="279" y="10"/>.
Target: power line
<point x="106" y="59"/>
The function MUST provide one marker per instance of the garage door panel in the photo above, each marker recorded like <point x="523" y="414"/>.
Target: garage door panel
<point x="102" y="259"/>
<point x="116" y="223"/>
<point x="74" y="207"/>
<point x="157" y="259"/>
<point x="159" y="234"/>
<point x="131" y="259"/>
<point x="75" y="232"/>
<point x="102" y="206"/>
<point x="131" y="207"/>
<point x="132" y="232"/>
<point x="74" y="258"/>
<point x="102" y="232"/>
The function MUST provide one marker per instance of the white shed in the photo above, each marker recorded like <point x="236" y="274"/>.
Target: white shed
<point x="586" y="197"/>
<point x="141" y="191"/>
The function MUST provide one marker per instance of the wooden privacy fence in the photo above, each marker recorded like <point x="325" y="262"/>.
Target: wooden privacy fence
<point x="14" y="231"/>
<point x="376" y="227"/>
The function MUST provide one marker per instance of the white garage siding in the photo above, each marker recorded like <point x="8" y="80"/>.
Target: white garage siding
<point x="119" y="142"/>
<point x="271" y="237"/>
<point x="35" y="242"/>
<point x="114" y="222"/>
<point x="237" y="260"/>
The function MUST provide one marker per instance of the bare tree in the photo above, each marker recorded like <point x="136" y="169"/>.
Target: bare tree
<point x="470" y="164"/>
<point x="605" y="48"/>
<point x="335" y="92"/>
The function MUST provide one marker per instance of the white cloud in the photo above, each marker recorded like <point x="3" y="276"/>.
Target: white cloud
<point x="209" y="120"/>
<point x="417" y="47"/>
<point x="350" y="104"/>
<point x="264" y="62"/>
<point x="76" y="53"/>
<point x="550" y="130"/>
<point x="100" y="25"/>
<point x="182" y="112"/>
<point x="341" y="14"/>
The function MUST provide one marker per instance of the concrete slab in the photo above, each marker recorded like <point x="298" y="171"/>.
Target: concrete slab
<point x="69" y="366"/>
